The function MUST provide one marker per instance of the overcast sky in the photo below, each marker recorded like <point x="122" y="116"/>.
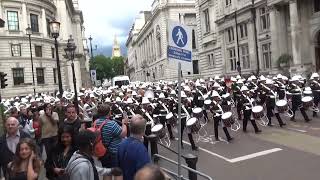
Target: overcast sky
<point x="105" y="18"/>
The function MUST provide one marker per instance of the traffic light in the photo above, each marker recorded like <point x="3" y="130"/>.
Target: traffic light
<point x="3" y="80"/>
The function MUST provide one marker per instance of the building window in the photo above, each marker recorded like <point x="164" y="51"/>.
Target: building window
<point x="230" y="35"/>
<point x="38" y="50"/>
<point x="228" y="2"/>
<point x="207" y="20"/>
<point x="159" y="41"/>
<point x="52" y="52"/>
<point x="55" y="75"/>
<point x="40" y="75"/>
<point x="266" y="54"/>
<point x="211" y="59"/>
<point x="13" y="21"/>
<point x="244" y="55"/>
<point x="195" y="65"/>
<point x="15" y="49"/>
<point x="316" y="5"/>
<point x="264" y="19"/>
<point x="48" y="27"/>
<point x="232" y="59"/>
<point x="243" y="31"/>
<point x="18" y="76"/>
<point x="194" y="45"/>
<point x="34" y="23"/>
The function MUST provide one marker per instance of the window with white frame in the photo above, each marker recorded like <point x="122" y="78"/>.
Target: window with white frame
<point x="266" y="55"/>
<point x="244" y="55"/>
<point x="15" y="49"/>
<point x="232" y="59"/>
<point x="264" y="18"/>
<point x="230" y="35"/>
<point x="243" y="30"/>
<point x="206" y="20"/>
<point x="211" y="59"/>
<point x="13" y="21"/>
<point x="228" y="2"/>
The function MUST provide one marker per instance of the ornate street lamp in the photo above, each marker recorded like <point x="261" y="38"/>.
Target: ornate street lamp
<point x="29" y="33"/>
<point x="55" y="30"/>
<point x="71" y="47"/>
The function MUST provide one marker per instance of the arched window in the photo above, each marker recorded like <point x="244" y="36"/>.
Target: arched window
<point x="158" y="34"/>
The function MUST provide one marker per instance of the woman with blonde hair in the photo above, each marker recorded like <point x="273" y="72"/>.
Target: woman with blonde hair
<point x="26" y="164"/>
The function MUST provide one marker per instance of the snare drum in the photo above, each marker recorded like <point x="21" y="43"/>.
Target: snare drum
<point x="282" y="106"/>
<point x="227" y="119"/>
<point x="171" y="119"/>
<point x="159" y="131"/>
<point x="307" y="102"/>
<point x="257" y="112"/>
<point x="197" y="112"/>
<point x="193" y="124"/>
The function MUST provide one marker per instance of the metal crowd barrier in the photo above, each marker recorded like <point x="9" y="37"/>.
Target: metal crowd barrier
<point x="190" y="159"/>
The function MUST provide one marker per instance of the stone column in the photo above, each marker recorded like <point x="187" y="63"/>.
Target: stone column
<point x="25" y="16"/>
<point x="274" y="35"/>
<point x="295" y="32"/>
<point x="44" y="22"/>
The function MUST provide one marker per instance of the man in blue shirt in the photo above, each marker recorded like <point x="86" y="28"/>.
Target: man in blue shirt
<point x="132" y="154"/>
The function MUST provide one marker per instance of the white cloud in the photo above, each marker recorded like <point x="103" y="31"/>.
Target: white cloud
<point x="106" y="18"/>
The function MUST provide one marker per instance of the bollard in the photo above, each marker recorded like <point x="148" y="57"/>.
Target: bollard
<point x="154" y="146"/>
<point x="191" y="161"/>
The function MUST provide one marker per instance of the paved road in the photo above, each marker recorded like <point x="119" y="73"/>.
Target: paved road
<point x="277" y="153"/>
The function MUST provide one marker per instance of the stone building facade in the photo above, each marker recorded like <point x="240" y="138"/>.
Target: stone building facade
<point x="252" y="32"/>
<point x="147" y="43"/>
<point x="15" y="59"/>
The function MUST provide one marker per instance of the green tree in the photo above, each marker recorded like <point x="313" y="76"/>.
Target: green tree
<point x="107" y="67"/>
<point x="118" y="65"/>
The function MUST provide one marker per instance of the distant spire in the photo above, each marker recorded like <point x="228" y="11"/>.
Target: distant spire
<point x="116" y="51"/>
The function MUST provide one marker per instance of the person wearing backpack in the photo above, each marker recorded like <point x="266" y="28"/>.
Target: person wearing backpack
<point x="111" y="134"/>
<point x="81" y="166"/>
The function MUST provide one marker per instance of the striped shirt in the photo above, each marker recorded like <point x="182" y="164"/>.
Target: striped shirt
<point x="111" y="132"/>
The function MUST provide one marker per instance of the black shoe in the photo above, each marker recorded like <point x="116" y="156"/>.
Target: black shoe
<point x="315" y="115"/>
<point x="195" y="148"/>
<point x="229" y="140"/>
<point x="245" y="131"/>
<point x="217" y="139"/>
<point x="283" y="124"/>
<point x="308" y="120"/>
<point x="270" y="125"/>
<point x="258" y="131"/>
<point x="293" y="120"/>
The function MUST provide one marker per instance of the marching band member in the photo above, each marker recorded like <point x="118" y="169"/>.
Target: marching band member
<point x="247" y="104"/>
<point x="271" y="103"/>
<point x="218" y="111"/>
<point x="296" y="92"/>
<point x="315" y="86"/>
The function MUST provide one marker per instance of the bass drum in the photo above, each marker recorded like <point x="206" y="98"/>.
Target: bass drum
<point x="228" y="119"/>
<point x="193" y="124"/>
<point x="159" y="131"/>
<point x="257" y="112"/>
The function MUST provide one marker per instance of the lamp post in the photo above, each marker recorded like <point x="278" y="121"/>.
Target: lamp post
<point x="71" y="47"/>
<point x="90" y="39"/>
<point x="29" y="32"/>
<point x="55" y="30"/>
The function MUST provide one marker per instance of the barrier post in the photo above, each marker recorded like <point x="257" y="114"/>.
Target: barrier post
<point x="154" y="146"/>
<point x="191" y="161"/>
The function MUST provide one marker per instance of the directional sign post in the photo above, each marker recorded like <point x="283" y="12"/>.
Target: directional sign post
<point x="180" y="48"/>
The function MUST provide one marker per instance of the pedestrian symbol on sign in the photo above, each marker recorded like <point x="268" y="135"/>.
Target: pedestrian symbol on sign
<point x="179" y="36"/>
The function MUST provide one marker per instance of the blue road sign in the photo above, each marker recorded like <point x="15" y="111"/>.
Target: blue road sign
<point x="179" y="36"/>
